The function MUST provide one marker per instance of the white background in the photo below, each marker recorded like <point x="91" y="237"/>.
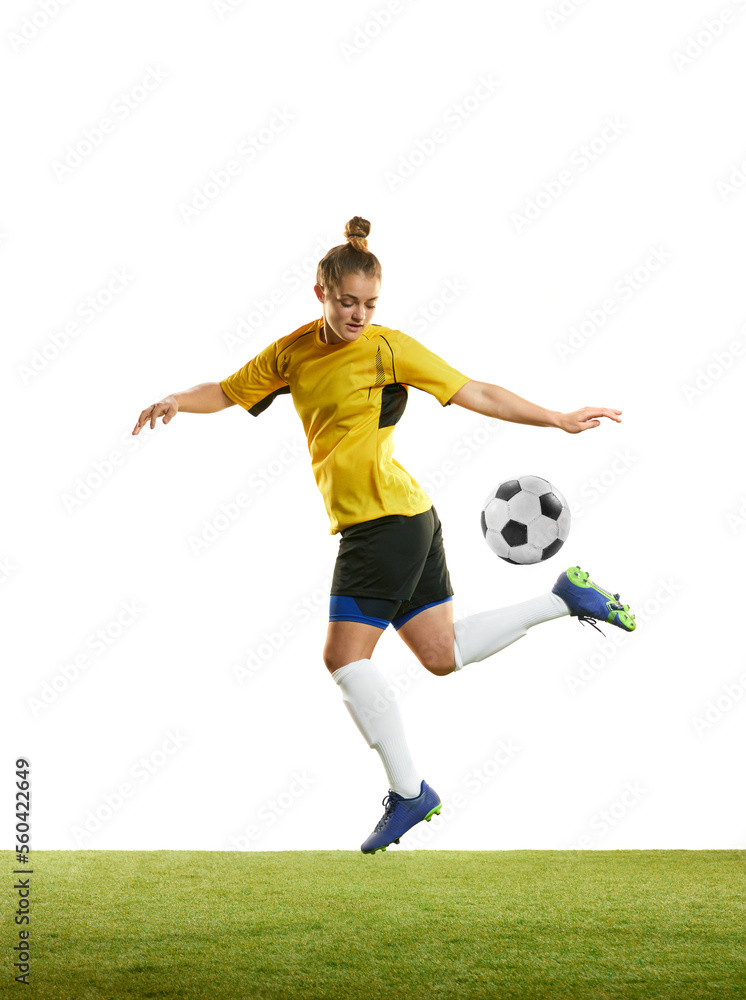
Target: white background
<point x="156" y="739"/>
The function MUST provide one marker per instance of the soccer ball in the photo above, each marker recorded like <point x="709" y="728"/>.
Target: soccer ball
<point x="525" y="520"/>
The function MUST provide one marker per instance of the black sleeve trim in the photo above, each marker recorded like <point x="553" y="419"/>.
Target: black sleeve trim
<point x="262" y="405"/>
<point x="430" y="394"/>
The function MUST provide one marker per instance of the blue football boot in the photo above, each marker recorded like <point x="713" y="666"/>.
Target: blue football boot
<point x="587" y="601"/>
<point x="401" y="815"/>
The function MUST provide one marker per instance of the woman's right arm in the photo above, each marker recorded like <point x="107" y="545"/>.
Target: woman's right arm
<point x="205" y="398"/>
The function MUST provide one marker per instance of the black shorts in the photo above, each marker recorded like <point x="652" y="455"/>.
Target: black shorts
<point x="390" y="569"/>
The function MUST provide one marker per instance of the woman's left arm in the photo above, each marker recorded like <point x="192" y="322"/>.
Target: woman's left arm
<point x="494" y="401"/>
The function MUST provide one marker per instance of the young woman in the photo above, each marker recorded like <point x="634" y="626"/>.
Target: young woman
<point x="348" y="379"/>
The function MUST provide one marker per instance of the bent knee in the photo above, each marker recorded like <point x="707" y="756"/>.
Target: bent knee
<point x="333" y="661"/>
<point x="335" y="657"/>
<point x="439" y="669"/>
<point x="437" y="659"/>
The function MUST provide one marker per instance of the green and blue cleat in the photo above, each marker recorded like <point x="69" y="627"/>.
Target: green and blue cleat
<point x="400" y="815"/>
<point x="588" y="602"/>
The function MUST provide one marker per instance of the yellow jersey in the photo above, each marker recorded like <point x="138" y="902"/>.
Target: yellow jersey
<point x="349" y="397"/>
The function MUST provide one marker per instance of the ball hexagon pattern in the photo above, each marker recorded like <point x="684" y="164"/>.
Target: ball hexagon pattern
<point x="525" y="520"/>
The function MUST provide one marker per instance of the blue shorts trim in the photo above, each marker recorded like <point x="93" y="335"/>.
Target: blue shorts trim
<point x="403" y="619"/>
<point x="346" y="609"/>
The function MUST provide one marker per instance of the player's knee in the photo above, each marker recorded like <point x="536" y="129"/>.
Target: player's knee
<point x="332" y="659"/>
<point x="440" y="670"/>
<point x="336" y="656"/>
<point x="437" y="659"/>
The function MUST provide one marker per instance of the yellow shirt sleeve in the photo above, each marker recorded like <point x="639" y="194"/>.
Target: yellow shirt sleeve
<point x="257" y="382"/>
<point x="415" y="365"/>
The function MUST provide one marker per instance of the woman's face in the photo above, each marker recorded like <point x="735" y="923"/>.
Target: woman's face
<point x="349" y="308"/>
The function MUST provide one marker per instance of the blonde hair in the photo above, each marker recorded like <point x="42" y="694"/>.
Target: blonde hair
<point x="352" y="257"/>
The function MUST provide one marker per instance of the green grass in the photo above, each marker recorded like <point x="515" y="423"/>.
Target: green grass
<point x="332" y="925"/>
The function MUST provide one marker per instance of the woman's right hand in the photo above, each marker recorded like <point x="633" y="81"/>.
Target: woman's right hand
<point x="166" y="408"/>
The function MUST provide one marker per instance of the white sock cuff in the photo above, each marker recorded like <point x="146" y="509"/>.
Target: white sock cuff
<point x="457" y="661"/>
<point x="342" y="672"/>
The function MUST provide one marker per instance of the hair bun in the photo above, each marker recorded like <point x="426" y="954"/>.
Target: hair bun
<point x="356" y="231"/>
<point x="352" y="257"/>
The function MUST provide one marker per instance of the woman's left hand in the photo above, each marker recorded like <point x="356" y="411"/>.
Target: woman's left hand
<point x="587" y="417"/>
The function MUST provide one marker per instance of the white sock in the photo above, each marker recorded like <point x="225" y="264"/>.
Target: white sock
<point x="378" y="719"/>
<point x="481" y="635"/>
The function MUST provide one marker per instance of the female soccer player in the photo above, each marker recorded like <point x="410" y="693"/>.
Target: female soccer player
<point x="348" y="378"/>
